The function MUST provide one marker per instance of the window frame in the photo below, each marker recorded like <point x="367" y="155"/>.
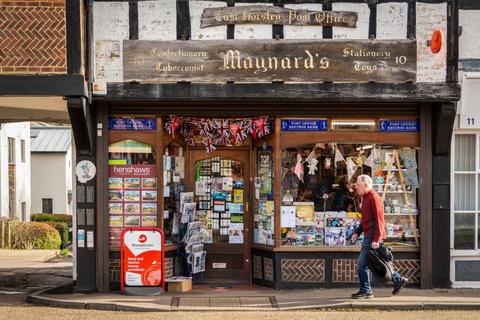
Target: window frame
<point x="51" y="205"/>
<point x="11" y="150"/>
<point x="23" y="157"/>
<point x="465" y="252"/>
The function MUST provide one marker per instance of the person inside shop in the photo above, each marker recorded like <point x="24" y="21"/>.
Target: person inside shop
<point x="345" y="197"/>
<point x="372" y="225"/>
<point x="322" y="195"/>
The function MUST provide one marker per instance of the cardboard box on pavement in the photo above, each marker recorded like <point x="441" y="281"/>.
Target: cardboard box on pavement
<point x="179" y="284"/>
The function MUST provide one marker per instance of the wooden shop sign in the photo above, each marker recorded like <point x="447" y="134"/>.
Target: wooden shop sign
<point x="270" y="60"/>
<point x="276" y="15"/>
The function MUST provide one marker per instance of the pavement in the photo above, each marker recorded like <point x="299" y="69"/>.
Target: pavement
<point x="33" y="274"/>
<point x="262" y="299"/>
<point x="33" y="270"/>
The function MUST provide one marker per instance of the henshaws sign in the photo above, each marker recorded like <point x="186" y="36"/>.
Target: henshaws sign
<point x="270" y="60"/>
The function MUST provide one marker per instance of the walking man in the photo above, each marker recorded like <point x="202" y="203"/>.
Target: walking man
<point x="372" y="225"/>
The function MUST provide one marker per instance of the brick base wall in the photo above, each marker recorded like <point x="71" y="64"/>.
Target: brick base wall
<point x="303" y="270"/>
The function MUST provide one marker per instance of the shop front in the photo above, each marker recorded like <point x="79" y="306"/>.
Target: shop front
<point x="266" y="199"/>
<point x="245" y="152"/>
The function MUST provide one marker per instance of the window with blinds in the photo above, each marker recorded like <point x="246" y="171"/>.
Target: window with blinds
<point x="466" y="189"/>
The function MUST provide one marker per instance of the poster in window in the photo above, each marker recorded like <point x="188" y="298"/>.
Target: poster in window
<point x="149" y="183"/>
<point x="116" y="221"/>
<point x="115" y="195"/>
<point x="132" y="221"/>
<point x="115" y="183"/>
<point x="132" y="208"/>
<point x="149" y="208"/>
<point x="132" y="183"/>
<point x="115" y="208"/>
<point x="131" y="195"/>
<point x="149" y="221"/>
<point x="149" y="195"/>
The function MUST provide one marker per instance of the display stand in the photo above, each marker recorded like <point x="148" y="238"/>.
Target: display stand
<point x="396" y="160"/>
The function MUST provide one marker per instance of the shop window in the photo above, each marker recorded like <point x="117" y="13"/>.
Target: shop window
<point x="320" y="206"/>
<point x="173" y="186"/>
<point x="264" y="208"/>
<point x="132" y="187"/>
<point x="219" y="189"/>
<point x="466" y="191"/>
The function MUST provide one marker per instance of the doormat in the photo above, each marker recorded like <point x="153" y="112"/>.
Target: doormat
<point x="221" y="287"/>
<point x="267" y="302"/>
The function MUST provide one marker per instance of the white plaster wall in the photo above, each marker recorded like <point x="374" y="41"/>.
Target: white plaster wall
<point x="392" y="20"/>
<point x="19" y="131"/>
<point x="469" y="42"/>
<point x="210" y="33"/>
<point x="361" y="31"/>
<point x="303" y="32"/>
<point x="110" y="28"/>
<point x="431" y="67"/>
<point x="157" y="20"/>
<point x="49" y="179"/>
<point x="253" y="31"/>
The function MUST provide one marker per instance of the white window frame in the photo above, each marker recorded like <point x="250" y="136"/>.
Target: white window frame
<point x="473" y="254"/>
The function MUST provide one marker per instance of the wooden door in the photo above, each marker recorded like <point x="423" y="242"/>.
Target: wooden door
<point x="227" y="176"/>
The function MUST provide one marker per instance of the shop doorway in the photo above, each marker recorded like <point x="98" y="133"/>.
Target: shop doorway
<point x="226" y="174"/>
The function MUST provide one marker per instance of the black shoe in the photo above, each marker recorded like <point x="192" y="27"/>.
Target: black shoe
<point x="399" y="286"/>
<point x="362" y="295"/>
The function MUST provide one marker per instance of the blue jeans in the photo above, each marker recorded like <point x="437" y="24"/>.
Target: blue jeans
<point x="364" y="274"/>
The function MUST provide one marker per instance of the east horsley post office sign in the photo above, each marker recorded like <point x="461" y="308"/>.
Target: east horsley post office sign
<point x="389" y="61"/>
<point x="276" y="15"/>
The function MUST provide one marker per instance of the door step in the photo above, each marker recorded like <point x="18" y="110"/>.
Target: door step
<point x="266" y="302"/>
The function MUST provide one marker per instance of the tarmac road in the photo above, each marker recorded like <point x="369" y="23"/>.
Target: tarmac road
<point x="14" y="307"/>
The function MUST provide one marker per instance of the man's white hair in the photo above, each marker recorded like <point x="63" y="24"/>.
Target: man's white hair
<point x="365" y="179"/>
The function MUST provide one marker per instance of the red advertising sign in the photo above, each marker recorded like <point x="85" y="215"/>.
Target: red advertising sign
<point x="142" y="258"/>
<point x="133" y="170"/>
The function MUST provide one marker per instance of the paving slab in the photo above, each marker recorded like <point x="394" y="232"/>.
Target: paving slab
<point x="272" y="300"/>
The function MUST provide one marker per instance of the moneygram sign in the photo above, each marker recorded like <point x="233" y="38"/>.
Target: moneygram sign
<point x="142" y="258"/>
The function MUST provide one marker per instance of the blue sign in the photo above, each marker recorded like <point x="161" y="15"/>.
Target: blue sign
<point x="399" y="126"/>
<point x="304" y="125"/>
<point x="131" y="124"/>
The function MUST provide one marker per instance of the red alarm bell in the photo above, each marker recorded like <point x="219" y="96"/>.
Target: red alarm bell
<point x="436" y="42"/>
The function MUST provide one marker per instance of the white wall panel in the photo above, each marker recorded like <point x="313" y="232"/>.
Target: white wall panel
<point x="431" y="67"/>
<point x="469" y="42"/>
<point x="110" y="28"/>
<point x="392" y="19"/>
<point x="157" y="20"/>
<point x="210" y="33"/>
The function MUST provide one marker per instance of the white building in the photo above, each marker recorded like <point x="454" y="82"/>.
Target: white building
<point x="51" y="169"/>
<point x="465" y="159"/>
<point x="15" y="170"/>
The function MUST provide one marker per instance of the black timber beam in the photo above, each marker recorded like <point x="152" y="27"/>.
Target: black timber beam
<point x="267" y="92"/>
<point x="443" y="120"/>
<point x="74" y="36"/>
<point x="80" y="119"/>
<point x="46" y="85"/>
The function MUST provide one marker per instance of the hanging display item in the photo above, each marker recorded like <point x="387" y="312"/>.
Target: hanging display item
<point x="217" y="132"/>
